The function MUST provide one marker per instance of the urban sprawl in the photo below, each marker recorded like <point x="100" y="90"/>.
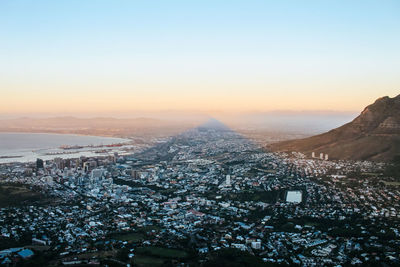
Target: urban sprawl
<point x="190" y="197"/>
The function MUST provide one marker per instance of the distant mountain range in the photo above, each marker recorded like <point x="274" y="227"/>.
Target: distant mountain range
<point x="373" y="135"/>
<point x="101" y="126"/>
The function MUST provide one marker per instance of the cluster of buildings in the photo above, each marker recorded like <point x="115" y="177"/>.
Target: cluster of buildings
<point x="206" y="190"/>
<point x="321" y="156"/>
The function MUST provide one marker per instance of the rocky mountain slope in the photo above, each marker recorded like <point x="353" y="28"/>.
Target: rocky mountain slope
<point x="373" y="135"/>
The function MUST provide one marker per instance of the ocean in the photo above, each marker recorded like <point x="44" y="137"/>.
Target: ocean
<point x="27" y="147"/>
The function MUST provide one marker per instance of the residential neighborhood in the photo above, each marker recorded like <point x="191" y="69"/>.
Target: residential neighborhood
<point x="192" y="195"/>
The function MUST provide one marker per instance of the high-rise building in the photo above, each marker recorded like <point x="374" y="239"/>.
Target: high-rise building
<point x="96" y="175"/>
<point x="313" y="154"/>
<point x="321" y="155"/>
<point x="135" y="174"/>
<point x="60" y="163"/>
<point x="93" y="163"/>
<point x="228" y="180"/>
<point x="39" y="164"/>
<point x="68" y="163"/>
<point x="326" y="157"/>
<point x="86" y="166"/>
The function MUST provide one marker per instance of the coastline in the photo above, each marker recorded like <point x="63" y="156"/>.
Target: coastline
<point x="61" y="133"/>
<point x="27" y="146"/>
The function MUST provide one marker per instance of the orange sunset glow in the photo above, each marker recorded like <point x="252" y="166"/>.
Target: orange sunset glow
<point x="195" y="58"/>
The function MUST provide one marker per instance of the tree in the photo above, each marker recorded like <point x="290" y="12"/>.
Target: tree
<point x="122" y="254"/>
<point x="393" y="169"/>
<point x="233" y="258"/>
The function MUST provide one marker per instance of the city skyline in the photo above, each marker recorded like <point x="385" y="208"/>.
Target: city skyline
<point x="100" y="57"/>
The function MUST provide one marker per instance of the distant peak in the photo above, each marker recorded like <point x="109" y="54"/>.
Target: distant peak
<point x="387" y="98"/>
<point x="383" y="98"/>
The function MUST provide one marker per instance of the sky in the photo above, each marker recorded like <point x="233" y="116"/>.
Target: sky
<point x="94" y="56"/>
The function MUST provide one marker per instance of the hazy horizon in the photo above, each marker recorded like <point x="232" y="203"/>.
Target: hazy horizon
<point x="305" y="122"/>
<point x="170" y="113"/>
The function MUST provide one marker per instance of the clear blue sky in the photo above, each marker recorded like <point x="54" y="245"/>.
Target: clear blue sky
<point x="229" y="55"/>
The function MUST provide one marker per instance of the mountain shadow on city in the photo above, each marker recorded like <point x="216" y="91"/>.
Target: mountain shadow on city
<point x="209" y="131"/>
<point x="373" y="135"/>
<point x="213" y="124"/>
